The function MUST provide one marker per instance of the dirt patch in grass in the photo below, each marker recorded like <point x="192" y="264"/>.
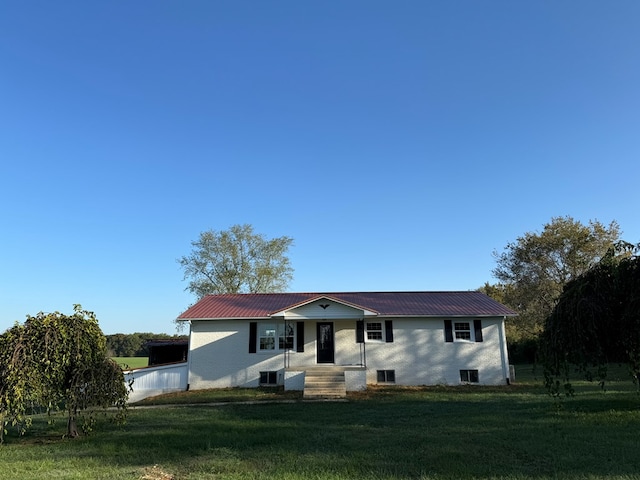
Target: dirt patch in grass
<point x="380" y="392"/>
<point x="221" y="395"/>
<point x="156" y="473"/>
<point x="42" y="440"/>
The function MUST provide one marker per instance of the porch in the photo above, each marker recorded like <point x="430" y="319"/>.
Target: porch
<point x="325" y="381"/>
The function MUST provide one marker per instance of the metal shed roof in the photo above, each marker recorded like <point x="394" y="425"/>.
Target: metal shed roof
<point x="263" y="305"/>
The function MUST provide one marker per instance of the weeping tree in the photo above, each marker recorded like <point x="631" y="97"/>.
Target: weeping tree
<point x="15" y="390"/>
<point x="596" y="321"/>
<point x="59" y="362"/>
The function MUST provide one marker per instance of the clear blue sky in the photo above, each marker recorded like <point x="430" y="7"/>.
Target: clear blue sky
<point x="399" y="142"/>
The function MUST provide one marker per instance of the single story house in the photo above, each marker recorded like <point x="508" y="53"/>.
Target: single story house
<point x="401" y="338"/>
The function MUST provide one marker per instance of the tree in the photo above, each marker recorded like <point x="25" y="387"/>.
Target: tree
<point x="237" y="261"/>
<point x="134" y="344"/>
<point x="58" y="361"/>
<point x="533" y="270"/>
<point x="596" y="321"/>
<point x="14" y="388"/>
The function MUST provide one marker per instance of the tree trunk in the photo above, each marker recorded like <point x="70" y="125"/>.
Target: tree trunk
<point x="72" y="426"/>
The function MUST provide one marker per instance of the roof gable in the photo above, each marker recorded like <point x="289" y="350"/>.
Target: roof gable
<point x="415" y="304"/>
<point x="324" y="306"/>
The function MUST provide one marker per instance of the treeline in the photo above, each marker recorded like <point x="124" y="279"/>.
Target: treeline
<point x="133" y="344"/>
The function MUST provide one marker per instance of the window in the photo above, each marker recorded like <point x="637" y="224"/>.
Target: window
<point x="374" y="331"/>
<point x="274" y="337"/>
<point x="462" y="330"/>
<point x="386" y="376"/>
<point x="267" y="337"/>
<point x="268" y="378"/>
<point x="286" y="334"/>
<point x="469" y="376"/>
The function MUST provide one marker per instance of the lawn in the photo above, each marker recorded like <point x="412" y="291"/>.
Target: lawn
<point x="131" y="362"/>
<point x="515" y="432"/>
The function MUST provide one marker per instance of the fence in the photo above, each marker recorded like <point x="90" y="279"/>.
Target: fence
<point x="151" y="381"/>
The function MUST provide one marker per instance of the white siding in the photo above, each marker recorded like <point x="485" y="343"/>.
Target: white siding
<point x="329" y="310"/>
<point x="219" y="353"/>
<point x="420" y="356"/>
<point x="219" y="356"/>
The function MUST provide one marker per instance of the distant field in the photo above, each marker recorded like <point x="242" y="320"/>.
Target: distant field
<point x="132" y="362"/>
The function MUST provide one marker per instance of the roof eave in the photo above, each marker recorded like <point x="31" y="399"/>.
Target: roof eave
<point x="378" y="315"/>
<point x="446" y="315"/>
<point x="366" y="311"/>
<point x="221" y="318"/>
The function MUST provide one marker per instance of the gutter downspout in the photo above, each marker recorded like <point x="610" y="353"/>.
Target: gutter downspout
<point x="504" y="355"/>
<point x="189" y="356"/>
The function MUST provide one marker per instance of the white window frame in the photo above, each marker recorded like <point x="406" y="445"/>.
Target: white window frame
<point x="462" y="331"/>
<point x="274" y="333"/>
<point x="371" y="334"/>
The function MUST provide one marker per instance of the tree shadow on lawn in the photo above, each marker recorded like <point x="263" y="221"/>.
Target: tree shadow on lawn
<point x="453" y="437"/>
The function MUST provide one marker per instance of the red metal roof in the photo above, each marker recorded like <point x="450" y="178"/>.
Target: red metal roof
<point x="262" y="305"/>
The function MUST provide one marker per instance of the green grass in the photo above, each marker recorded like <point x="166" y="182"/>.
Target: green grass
<point x="132" y="362"/>
<point x="222" y="395"/>
<point x="515" y="432"/>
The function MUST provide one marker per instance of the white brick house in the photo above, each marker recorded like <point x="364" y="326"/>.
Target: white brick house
<point x="402" y="338"/>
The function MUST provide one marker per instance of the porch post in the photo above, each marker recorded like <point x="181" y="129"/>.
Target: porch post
<point x="360" y="338"/>
<point x="285" y="349"/>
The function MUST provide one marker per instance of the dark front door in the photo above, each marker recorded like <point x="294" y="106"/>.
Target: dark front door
<point x="325" y="342"/>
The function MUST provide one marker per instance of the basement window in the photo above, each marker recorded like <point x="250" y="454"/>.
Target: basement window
<point x="269" y="378"/>
<point x="386" y="376"/>
<point x="469" y="376"/>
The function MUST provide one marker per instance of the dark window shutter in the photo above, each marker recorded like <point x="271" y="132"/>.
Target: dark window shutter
<point x="477" y="326"/>
<point x="388" y="331"/>
<point x="300" y="337"/>
<point x="253" y="336"/>
<point x="448" y="331"/>
<point x="360" y="331"/>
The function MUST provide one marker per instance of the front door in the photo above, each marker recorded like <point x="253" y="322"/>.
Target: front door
<point x="325" y="342"/>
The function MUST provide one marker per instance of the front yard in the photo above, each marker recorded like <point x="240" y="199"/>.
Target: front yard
<point x="515" y="432"/>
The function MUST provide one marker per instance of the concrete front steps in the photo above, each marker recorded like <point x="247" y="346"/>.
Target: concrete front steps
<point x="322" y="383"/>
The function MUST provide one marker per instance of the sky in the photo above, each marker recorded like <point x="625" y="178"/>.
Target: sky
<point x="399" y="143"/>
